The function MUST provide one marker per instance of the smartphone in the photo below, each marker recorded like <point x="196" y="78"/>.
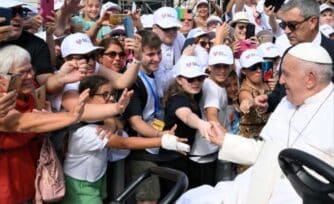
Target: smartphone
<point x="267" y="70"/>
<point x="7" y="14"/>
<point x="10" y="82"/>
<point x="116" y="19"/>
<point x="40" y="97"/>
<point x="128" y="25"/>
<point x="276" y="3"/>
<point x="250" y="30"/>
<point x="47" y="7"/>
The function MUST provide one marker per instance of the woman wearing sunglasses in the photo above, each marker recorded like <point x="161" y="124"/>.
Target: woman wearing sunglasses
<point x="252" y="85"/>
<point x="114" y="56"/>
<point x="182" y="109"/>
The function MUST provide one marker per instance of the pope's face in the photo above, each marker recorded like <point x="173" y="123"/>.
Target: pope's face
<point x="293" y="79"/>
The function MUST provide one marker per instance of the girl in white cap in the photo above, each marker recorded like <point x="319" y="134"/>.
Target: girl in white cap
<point x="182" y="109"/>
<point x="251" y="121"/>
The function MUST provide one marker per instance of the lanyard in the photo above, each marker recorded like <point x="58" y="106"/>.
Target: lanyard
<point x="155" y="95"/>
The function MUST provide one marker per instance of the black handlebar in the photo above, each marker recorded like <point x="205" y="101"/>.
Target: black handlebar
<point x="180" y="179"/>
<point x="309" y="188"/>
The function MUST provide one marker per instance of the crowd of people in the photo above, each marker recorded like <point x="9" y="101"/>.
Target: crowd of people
<point x="215" y="92"/>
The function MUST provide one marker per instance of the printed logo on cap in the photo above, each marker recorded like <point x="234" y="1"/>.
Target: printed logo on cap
<point x="251" y="55"/>
<point x="219" y="53"/>
<point x="79" y="41"/>
<point x="190" y="64"/>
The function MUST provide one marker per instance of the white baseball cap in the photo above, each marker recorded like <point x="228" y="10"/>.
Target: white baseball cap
<point x="327" y="30"/>
<point x="109" y="5"/>
<point x="311" y="52"/>
<point x="324" y="7"/>
<point x="77" y="43"/>
<point x="187" y="66"/>
<point x="166" y="17"/>
<point x="196" y="32"/>
<point x="268" y="50"/>
<point x="250" y="57"/>
<point x="147" y="20"/>
<point x="11" y="3"/>
<point x="220" y="54"/>
<point x="202" y="2"/>
<point x="213" y="19"/>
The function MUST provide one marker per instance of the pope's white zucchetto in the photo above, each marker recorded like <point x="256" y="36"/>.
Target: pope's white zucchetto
<point x="311" y="52"/>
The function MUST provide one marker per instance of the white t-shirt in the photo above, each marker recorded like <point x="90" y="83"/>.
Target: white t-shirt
<point x="86" y="157"/>
<point x="214" y="96"/>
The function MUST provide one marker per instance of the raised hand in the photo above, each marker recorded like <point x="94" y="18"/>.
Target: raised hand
<point x="135" y="45"/>
<point x="7" y="102"/>
<point x="261" y="103"/>
<point x="73" y="71"/>
<point x="124" y="100"/>
<point x="245" y="105"/>
<point x="171" y="142"/>
<point x="4" y="30"/>
<point x="78" y="110"/>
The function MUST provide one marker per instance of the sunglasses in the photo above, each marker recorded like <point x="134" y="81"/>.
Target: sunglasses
<point x="204" y="44"/>
<point x="241" y="27"/>
<point x="292" y="25"/>
<point x="106" y="95"/>
<point x="87" y="57"/>
<point x="167" y="30"/>
<point x="218" y="66"/>
<point x="23" y="12"/>
<point x="189" y="20"/>
<point x="113" y="54"/>
<point x="199" y="79"/>
<point x="255" y="67"/>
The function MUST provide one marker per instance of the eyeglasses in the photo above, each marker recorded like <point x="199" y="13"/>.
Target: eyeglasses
<point x="106" y="95"/>
<point x="23" y="12"/>
<point x="113" y="54"/>
<point x="255" y="67"/>
<point x="292" y="25"/>
<point x="204" y="44"/>
<point x="87" y="57"/>
<point x="241" y="27"/>
<point x="199" y="79"/>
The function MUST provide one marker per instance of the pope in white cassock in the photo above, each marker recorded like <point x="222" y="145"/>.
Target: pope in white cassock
<point x="304" y="120"/>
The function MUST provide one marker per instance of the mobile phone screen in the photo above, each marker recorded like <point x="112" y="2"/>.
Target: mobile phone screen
<point x="128" y="25"/>
<point x="267" y="70"/>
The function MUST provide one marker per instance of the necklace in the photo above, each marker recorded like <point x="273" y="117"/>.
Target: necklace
<point x="308" y="122"/>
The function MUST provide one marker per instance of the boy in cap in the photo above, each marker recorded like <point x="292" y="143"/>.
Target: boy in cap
<point x="213" y="106"/>
<point x="166" y="25"/>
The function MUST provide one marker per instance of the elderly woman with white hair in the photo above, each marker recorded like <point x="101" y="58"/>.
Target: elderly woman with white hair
<point x="20" y="128"/>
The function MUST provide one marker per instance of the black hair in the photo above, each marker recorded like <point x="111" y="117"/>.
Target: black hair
<point x="93" y="83"/>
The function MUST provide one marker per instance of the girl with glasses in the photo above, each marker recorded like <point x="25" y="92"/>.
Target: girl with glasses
<point x="85" y="163"/>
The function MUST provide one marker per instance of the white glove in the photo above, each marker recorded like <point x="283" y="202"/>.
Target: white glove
<point x="170" y="142"/>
